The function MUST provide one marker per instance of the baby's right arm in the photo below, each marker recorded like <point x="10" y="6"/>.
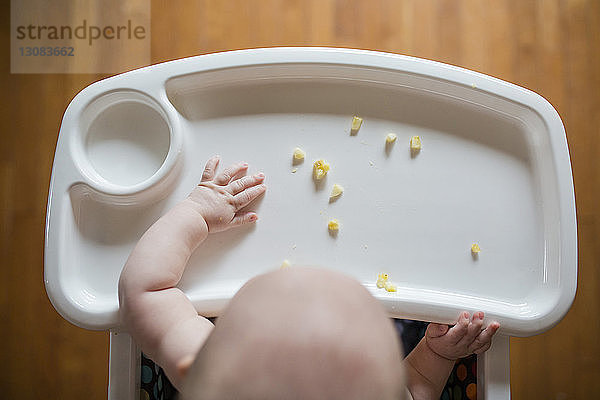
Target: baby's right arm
<point x="159" y="316"/>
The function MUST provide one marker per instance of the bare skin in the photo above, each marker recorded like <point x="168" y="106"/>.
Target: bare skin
<point x="147" y="286"/>
<point x="299" y="333"/>
<point x="147" y="289"/>
<point x="430" y="363"/>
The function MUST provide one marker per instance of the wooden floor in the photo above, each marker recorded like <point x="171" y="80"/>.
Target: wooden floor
<point x="549" y="46"/>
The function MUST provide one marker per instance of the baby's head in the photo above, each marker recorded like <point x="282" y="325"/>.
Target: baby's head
<point x="299" y="333"/>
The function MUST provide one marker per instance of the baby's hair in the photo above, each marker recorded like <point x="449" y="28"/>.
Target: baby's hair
<point x="292" y="334"/>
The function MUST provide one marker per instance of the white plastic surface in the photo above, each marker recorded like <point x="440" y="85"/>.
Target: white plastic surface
<point x="124" y="369"/>
<point x="494" y="169"/>
<point x="493" y="371"/>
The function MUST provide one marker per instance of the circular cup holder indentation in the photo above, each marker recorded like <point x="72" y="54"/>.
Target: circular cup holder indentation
<point x="127" y="142"/>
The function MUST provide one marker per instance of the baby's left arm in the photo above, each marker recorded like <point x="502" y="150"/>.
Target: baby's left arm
<point x="157" y="314"/>
<point x="429" y="365"/>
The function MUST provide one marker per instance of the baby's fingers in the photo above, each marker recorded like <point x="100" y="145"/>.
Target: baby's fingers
<point x="245" y="197"/>
<point x="436" y="330"/>
<point x="483" y="342"/>
<point x="230" y="172"/>
<point x="458" y="331"/>
<point x="474" y="328"/>
<point x="210" y="169"/>
<point x="243" y="218"/>
<point x="245" y="182"/>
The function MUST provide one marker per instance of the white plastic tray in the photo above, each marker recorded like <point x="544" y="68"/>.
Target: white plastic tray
<point x="494" y="169"/>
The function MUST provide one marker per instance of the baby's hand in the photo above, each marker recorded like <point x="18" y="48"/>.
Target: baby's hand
<point x="219" y="198"/>
<point x="467" y="337"/>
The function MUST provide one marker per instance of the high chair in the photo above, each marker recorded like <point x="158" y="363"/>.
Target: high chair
<point x="493" y="170"/>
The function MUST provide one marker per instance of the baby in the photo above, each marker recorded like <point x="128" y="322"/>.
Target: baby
<point x="297" y="333"/>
